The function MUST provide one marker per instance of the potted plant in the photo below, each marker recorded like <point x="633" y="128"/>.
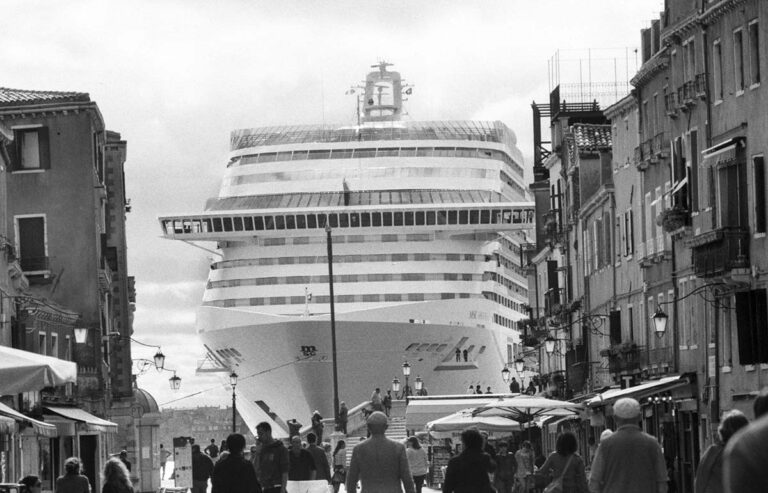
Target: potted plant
<point x="672" y="219"/>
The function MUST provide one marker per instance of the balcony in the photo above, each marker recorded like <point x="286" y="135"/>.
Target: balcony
<point x="671" y="104"/>
<point x="553" y="300"/>
<point x="647" y="149"/>
<point x="718" y="252"/>
<point x="640" y="163"/>
<point x="623" y="358"/>
<point x="661" y="145"/>
<point x="700" y="86"/>
<point x="686" y="95"/>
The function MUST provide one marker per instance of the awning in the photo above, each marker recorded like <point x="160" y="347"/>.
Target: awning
<point x="23" y="371"/>
<point x="7" y="425"/>
<point x="639" y="391"/>
<point x="43" y="429"/>
<point x="421" y="411"/>
<point x="85" y="419"/>
<point x="722" y="153"/>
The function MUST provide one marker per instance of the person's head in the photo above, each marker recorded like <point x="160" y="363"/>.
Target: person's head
<point x="161" y="445"/>
<point x="340" y="445"/>
<point x="296" y="444"/>
<point x="566" y="444"/>
<point x="31" y="484"/>
<point x="264" y="432"/>
<point x="327" y="446"/>
<point x="123" y="454"/>
<point x="377" y="423"/>
<point x="761" y="403"/>
<point x="732" y="422"/>
<point x="626" y="411"/>
<point x="526" y="445"/>
<point x="605" y="434"/>
<point x="343" y="404"/>
<point x="213" y="441"/>
<point x="72" y="466"/>
<point x="503" y="447"/>
<point x="311" y="438"/>
<point x="414" y="443"/>
<point x="471" y="439"/>
<point x="378" y="390"/>
<point x="115" y="472"/>
<point x="195" y="449"/>
<point x="235" y="443"/>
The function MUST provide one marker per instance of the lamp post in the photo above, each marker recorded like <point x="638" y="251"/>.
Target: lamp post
<point x="174" y="381"/>
<point x="395" y="385"/>
<point x="549" y="345"/>
<point x="419" y="384"/>
<point x="519" y="367"/>
<point x="406" y="373"/>
<point x="660" y="322"/>
<point x="329" y="243"/>
<point x="233" y="383"/>
<point x="505" y="374"/>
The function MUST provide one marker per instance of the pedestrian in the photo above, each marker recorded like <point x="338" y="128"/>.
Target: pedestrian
<point x="30" y="484"/>
<point x="417" y="462"/>
<point x="566" y="466"/>
<point x="531" y="390"/>
<point x="114" y="478"/>
<point x="317" y="426"/>
<point x="387" y="403"/>
<point x="458" y="355"/>
<point x="164" y="454"/>
<point x="72" y="481"/>
<point x="709" y="475"/>
<point x="223" y="446"/>
<point x="322" y="466"/>
<point x="376" y="401"/>
<point x="339" y="465"/>
<point x="341" y="420"/>
<point x="478" y="390"/>
<point x="202" y="467"/>
<point x="273" y="461"/>
<point x="124" y="459"/>
<point x="465" y="353"/>
<point x="629" y="460"/>
<point x="301" y="463"/>
<point x="487" y="447"/>
<point x="514" y="386"/>
<point x="234" y="474"/>
<point x="524" y="458"/>
<point x="746" y="455"/>
<point x="506" y="466"/>
<point x="294" y="428"/>
<point x="488" y="390"/>
<point x="379" y="463"/>
<point x="469" y="471"/>
<point x="212" y="450"/>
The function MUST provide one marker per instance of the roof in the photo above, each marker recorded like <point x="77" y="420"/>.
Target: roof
<point x="145" y="400"/>
<point x="360" y="198"/>
<point x="591" y="136"/>
<point x="15" y="97"/>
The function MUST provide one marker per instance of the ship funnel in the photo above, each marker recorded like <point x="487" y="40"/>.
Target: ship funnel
<point x="383" y="99"/>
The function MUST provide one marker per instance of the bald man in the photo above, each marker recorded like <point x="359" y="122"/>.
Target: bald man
<point x="379" y="463"/>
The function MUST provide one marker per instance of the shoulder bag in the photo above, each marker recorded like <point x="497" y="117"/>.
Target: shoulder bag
<point x="556" y="486"/>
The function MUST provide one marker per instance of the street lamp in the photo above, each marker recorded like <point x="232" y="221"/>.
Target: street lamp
<point x="174" y="381"/>
<point x="233" y="383"/>
<point x="419" y="384"/>
<point x="519" y="365"/>
<point x="660" y="322"/>
<point x="159" y="360"/>
<point x="406" y="373"/>
<point x="505" y="374"/>
<point x="81" y="335"/>
<point x="395" y="385"/>
<point x="549" y="344"/>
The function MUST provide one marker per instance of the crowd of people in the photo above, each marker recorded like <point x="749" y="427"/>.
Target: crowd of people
<point x="115" y="478"/>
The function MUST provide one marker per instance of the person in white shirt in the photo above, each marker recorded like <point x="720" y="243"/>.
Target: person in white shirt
<point x="417" y="461"/>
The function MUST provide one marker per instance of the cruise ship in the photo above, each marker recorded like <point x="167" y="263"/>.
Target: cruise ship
<point x="426" y="220"/>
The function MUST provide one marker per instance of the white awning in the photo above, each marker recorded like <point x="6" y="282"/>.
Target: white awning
<point x="23" y="371"/>
<point x="638" y="391"/>
<point x="721" y="153"/>
<point x="421" y="411"/>
<point x="43" y="429"/>
<point x="86" y="420"/>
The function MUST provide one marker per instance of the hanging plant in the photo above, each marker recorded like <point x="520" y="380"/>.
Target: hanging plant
<point x="672" y="219"/>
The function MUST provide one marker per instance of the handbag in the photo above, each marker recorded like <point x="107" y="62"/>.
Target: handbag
<point x="339" y="475"/>
<point x="556" y="486"/>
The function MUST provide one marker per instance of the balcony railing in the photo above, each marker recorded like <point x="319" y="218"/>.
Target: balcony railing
<point x="670" y="104"/>
<point x="35" y="264"/>
<point x="553" y="300"/>
<point x="647" y="149"/>
<point x="700" y="84"/>
<point x="661" y="144"/>
<point x="686" y="95"/>
<point x="624" y="358"/>
<point x="720" y="251"/>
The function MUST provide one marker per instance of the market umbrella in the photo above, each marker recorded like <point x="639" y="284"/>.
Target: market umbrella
<point x="23" y="371"/>
<point x="524" y="409"/>
<point x="460" y="421"/>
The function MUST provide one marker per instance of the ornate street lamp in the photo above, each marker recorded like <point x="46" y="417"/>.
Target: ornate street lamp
<point x="159" y="360"/>
<point x="549" y="344"/>
<point x="395" y="385"/>
<point x="505" y="374"/>
<point x="175" y="382"/>
<point x="419" y="384"/>
<point x="660" y="322"/>
<point x="406" y="373"/>
<point x="233" y="383"/>
<point x="519" y="365"/>
<point x="81" y="335"/>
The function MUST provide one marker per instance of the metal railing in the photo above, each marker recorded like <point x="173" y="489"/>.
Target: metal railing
<point x="728" y="250"/>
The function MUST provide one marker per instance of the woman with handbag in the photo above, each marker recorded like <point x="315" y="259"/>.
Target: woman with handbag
<point x="339" y="465"/>
<point x="566" y="466"/>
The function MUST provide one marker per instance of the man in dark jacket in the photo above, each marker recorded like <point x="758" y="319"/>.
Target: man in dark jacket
<point x="202" y="467"/>
<point x="234" y="474"/>
<point x="302" y="465"/>
<point x="273" y="461"/>
<point x="321" y="460"/>
<point x="468" y="471"/>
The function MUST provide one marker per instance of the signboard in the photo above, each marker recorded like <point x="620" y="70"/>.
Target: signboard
<point x="182" y="461"/>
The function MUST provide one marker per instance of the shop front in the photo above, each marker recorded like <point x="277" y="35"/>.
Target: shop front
<point x="25" y="445"/>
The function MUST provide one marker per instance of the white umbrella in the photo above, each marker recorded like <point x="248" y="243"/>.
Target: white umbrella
<point x="23" y="371"/>
<point x="524" y="409"/>
<point x="460" y="421"/>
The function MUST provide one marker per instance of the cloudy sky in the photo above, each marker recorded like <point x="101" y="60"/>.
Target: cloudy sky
<point x="175" y="76"/>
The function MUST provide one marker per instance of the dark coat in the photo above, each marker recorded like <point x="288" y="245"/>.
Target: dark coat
<point x="468" y="473"/>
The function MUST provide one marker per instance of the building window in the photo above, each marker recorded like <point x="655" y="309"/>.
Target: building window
<point x="31" y="243"/>
<point x="738" y="59"/>
<point x="731" y="192"/>
<point x="42" y="347"/>
<point x="692" y="170"/>
<point x="629" y="232"/>
<point x="31" y="149"/>
<point x="754" y="51"/>
<point x="717" y="69"/>
<point x="752" y="326"/>
<point x="55" y="345"/>
<point x="759" y="178"/>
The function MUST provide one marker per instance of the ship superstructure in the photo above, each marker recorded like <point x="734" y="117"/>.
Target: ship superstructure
<point x="426" y="219"/>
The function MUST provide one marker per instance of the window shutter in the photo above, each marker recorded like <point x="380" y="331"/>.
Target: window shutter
<point x="760" y="319"/>
<point x="13" y="153"/>
<point x="615" y="327"/>
<point x="44" y="145"/>
<point x="744" y="328"/>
